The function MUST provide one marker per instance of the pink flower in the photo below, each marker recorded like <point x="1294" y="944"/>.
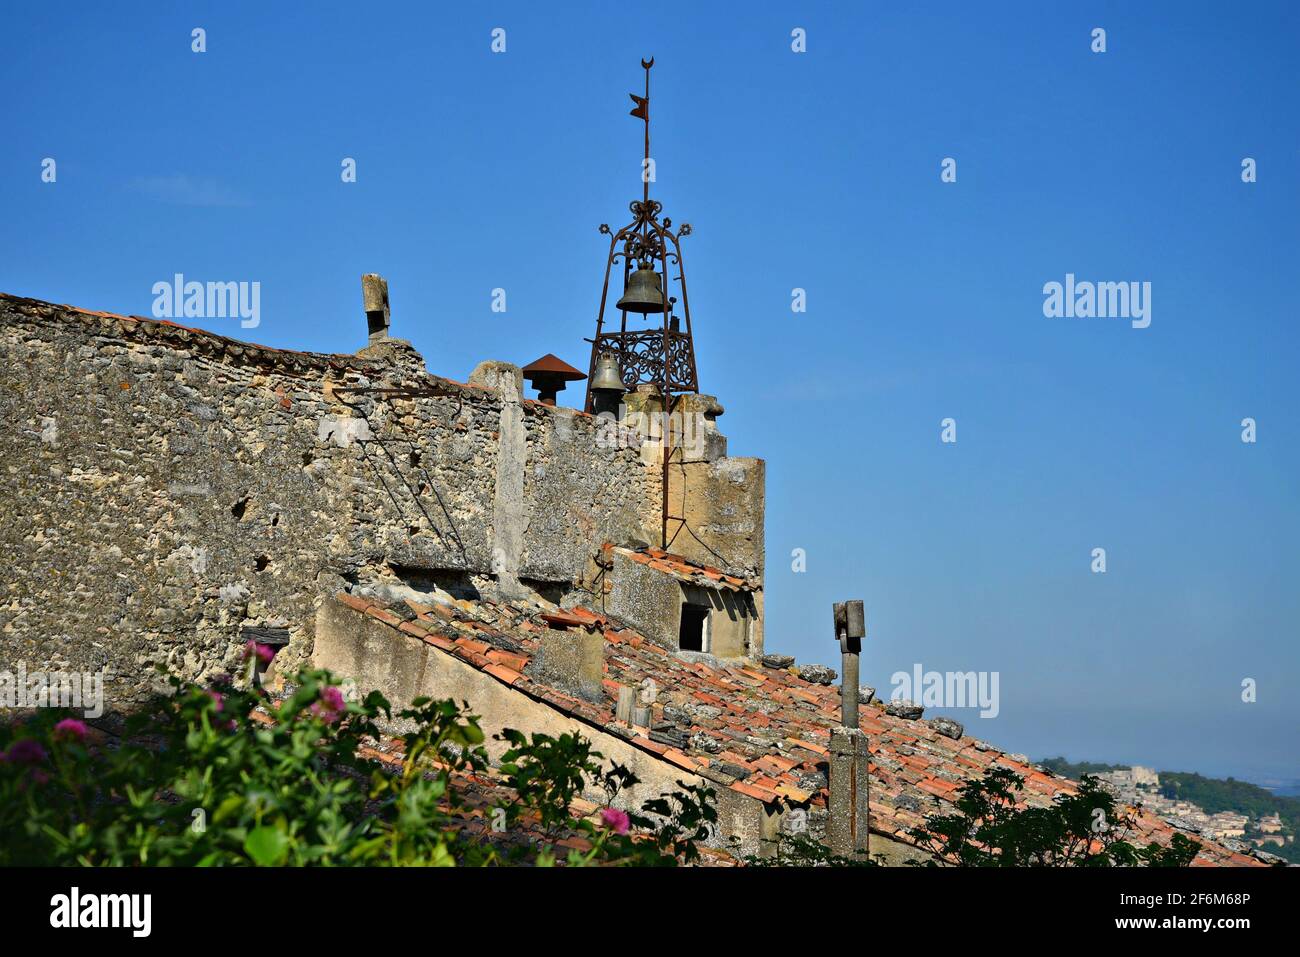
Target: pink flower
<point x="70" y="728"/>
<point x="616" y="820"/>
<point x="25" y="751"/>
<point x="218" y="700"/>
<point x="331" y="705"/>
<point x="264" y="653"/>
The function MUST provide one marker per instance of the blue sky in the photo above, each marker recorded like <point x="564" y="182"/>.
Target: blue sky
<point x="821" y="171"/>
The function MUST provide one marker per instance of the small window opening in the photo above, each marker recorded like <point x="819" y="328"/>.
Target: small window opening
<point x="693" y="635"/>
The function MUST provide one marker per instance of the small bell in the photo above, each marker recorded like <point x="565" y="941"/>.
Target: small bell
<point x="643" y="293"/>
<point x="607" y="377"/>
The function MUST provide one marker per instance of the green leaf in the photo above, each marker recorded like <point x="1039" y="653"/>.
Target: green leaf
<point x="227" y="807"/>
<point x="267" y="846"/>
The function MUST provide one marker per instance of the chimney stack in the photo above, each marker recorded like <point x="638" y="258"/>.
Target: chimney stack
<point x="571" y="656"/>
<point x="374" y="294"/>
<point x="848" y="821"/>
<point x="850" y="629"/>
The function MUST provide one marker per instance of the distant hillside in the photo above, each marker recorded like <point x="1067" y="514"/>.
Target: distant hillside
<point x="1073" y="769"/>
<point x="1213" y="795"/>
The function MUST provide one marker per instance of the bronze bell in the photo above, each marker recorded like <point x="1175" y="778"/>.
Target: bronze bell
<point x="607" y="375"/>
<point x="643" y="293"/>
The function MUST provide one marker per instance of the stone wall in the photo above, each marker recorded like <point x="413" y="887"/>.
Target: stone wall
<point x="162" y="488"/>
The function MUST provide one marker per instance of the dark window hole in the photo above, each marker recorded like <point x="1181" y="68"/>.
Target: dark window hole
<point x="691" y="635"/>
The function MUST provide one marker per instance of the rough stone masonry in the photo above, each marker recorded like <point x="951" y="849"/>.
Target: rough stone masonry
<point x="163" y="489"/>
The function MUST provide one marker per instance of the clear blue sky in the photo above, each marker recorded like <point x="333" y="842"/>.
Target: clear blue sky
<point x="817" y="170"/>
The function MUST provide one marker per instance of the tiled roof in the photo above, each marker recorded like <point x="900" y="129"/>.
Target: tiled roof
<point x="684" y="569"/>
<point x="764" y="732"/>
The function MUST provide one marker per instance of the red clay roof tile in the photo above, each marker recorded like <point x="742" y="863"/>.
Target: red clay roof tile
<point x="354" y="601"/>
<point x="384" y="615"/>
<point x="563" y="619"/>
<point x="508" y="675"/>
<point x="441" y="641"/>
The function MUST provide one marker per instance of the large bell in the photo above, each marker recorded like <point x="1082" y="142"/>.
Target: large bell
<point x="643" y="293"/>
<point x="607" y="375"/>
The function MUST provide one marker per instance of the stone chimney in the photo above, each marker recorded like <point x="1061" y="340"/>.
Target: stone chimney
<point x="374" y="294"/>
<point x="848" y="821"/>
<point x="570" y="656"/>
<point x="406" y="363"/>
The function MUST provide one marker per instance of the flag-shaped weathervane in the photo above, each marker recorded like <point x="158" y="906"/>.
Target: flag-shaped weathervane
<point x="642" y="108"/>
<point x="642" y="111"/>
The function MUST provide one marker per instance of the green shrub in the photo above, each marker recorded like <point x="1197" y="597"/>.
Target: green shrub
<point x="200" y="778"/>
<point x="1084" y="829"/>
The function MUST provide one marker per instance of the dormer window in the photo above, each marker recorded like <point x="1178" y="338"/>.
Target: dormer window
<point x="681" y="605"/>
<point x="693" y="634"/>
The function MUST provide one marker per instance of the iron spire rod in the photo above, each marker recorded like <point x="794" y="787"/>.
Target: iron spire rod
<point x="645" y="166"/>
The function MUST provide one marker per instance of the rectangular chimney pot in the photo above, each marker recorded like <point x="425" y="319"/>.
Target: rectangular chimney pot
<point x="374" y="295"/>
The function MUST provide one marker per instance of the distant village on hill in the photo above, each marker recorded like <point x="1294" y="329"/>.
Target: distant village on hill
<point x="1236" y="813"/>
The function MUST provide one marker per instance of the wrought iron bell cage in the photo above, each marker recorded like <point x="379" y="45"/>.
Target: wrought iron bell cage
<point x="664" y="356"/>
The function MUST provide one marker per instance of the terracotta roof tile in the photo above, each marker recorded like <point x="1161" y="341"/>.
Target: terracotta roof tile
<point x="473" y="646"/>
<point x="384" y="615"/>
<point x="766" y="795"/>
<point x="440" y="641"/>
<point x="354" y="601"/>
<point x="681" y="759"/>
<point x="411" y="628"/>
<point x="508" y="659"/>
<point x="586" y="615"/>
<point x="684" y="569"/>
<point x="501" y="672"/>
<point x="815" y="748"/>
<point x="563" y="619"/>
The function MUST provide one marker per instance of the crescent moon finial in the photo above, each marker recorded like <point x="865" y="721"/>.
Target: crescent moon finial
<point x="648" y="65"/>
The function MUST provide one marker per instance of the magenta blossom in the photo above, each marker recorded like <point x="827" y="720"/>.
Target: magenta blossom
<point x="70" y="728"/>
<point x="264" y="653"/>
<point x="24" y="751"/>
<point x="616" y="820"/>
<point x="331" y="705"/>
